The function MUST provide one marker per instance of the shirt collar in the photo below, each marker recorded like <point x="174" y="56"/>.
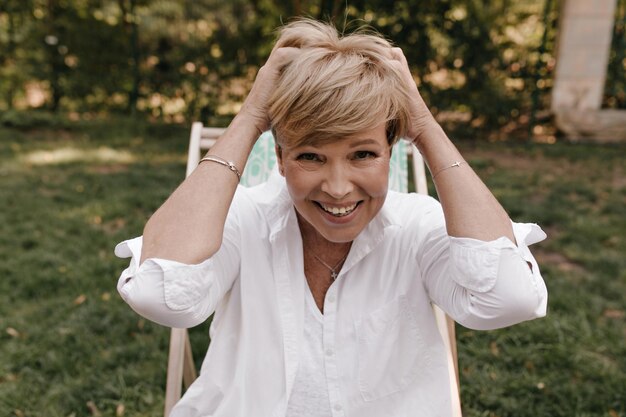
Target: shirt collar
<point x="281" y="212"/>
<point x="383" y="223"/>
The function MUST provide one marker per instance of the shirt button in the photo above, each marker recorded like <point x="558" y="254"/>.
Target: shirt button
<point x="331" y="298"/>
<point x="329" y="352"/>
<point x="337" y="407"/>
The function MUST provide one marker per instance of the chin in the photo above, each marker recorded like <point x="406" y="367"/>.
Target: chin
<point x="338" y="236"/>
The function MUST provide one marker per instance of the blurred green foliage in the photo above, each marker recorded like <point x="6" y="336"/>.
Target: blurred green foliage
<point x="178" y="60"/>
<point x="481" y="66"/>
<point x="32" y="119"/>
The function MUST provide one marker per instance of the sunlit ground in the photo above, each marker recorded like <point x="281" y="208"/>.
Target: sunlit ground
<point x="66" y="155"/>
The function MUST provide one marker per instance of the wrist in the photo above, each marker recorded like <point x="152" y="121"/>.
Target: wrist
<point x="247" y="127"/>
<point x="429" y="133"/>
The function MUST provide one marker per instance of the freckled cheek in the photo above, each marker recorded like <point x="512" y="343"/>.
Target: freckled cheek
<point x="372" y="190"/>
<point x="375" y="182"/>
<point x="299" y="187"/>
<point x="295" y="190"/>
<point x="380" y="192"/>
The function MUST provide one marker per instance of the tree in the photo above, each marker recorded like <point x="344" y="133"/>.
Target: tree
<point x="13" y="17"/>
<point x="175" y="59"/>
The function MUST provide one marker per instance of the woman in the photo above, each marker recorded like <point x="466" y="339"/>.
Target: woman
<point x="321" y="280"/>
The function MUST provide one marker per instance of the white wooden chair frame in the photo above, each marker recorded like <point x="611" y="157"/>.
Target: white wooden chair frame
<point x="181" y="369"/>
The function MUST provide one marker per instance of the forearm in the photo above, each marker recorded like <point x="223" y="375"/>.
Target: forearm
<point x="470" y="209"/>
<point x="188" y="227"/>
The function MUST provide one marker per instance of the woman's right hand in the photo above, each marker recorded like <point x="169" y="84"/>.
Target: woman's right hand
<point x="255" y="106"/>
<point x="421" y="118"/>
<point x="189" y="226"/>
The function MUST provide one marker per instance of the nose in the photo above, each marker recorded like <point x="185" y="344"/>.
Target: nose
<point x="337" y="182"/>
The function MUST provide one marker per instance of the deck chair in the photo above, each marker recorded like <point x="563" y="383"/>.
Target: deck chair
<point x="181" y="369"/>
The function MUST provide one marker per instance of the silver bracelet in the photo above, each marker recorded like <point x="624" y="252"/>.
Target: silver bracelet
<point x="456" y="164"/>
<point x="224" y="162"/>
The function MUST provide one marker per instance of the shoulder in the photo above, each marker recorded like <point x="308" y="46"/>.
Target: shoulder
<point x="417" y="218"/>
<point x="265" y="195"/>
<point x="260" y="204"/>
<point x="405" y="207"/>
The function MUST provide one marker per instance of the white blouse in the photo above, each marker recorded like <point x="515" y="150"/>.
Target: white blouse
<point x="383" y="354"/>
<point x="309" y="396"/>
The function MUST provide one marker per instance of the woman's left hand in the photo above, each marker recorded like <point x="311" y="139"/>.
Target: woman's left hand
<point x="421" y="118"/>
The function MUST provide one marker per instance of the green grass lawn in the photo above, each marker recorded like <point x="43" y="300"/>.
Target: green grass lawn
<point x="69" y="346"/>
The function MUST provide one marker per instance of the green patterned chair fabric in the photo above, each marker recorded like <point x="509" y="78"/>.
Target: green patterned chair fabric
<point x="263" y="158"/>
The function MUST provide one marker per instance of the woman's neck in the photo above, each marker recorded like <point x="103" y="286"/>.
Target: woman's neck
<point x="314" y="243"/>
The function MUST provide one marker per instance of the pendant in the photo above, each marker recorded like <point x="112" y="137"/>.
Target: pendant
<point x="333" y="275"/>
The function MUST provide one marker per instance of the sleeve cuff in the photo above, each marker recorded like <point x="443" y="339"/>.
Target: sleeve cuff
<point x="128" y="249"/>
<point x="182" y="285"/>
<point x="475" y="263"/>
<point x="527" y="234"/>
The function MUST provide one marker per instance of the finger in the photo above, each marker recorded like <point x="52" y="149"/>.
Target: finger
<point x="285" y="53"/>
<point x="398" y="55"/>
<point x="282" y="56"/>
<point x="400" y="63"/>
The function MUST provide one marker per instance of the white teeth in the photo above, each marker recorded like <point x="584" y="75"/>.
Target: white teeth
<point x="339" y="211"/>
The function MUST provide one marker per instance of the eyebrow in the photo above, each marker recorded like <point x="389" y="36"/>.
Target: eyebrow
<point x="364" y="142"/>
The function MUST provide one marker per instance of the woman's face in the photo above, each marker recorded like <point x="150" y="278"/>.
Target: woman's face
<point x="338" y="187"/>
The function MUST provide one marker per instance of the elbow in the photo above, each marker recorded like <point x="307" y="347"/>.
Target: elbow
<point x="158" y="312"/>
<point x="151" y="297"/>
<point x="524" y="294"/>
<point x="144" y="304"/>
<point x="513" y="312"/>
<point x="497" y="288"/>
<point x="517" y="297"/>
<point x="165" y="291"/>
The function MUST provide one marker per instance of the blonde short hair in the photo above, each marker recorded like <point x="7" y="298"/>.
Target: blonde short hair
<point x="337" y="85"/>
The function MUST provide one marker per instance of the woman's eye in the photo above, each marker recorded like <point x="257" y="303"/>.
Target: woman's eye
<point x="307" y="157"/>
<point x="364" y="154"/>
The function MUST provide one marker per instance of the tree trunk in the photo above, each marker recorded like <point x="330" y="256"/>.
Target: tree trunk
<point x="54" y="58"/>
<point x="330" y="10"/>
<point x="297" y="7"/>
<point x="134" y="42"/>
<point x="326" y="9"/>
<point x="129" y="20"/>
<point x="339" y="9"/>
<point x="10" y="57"/>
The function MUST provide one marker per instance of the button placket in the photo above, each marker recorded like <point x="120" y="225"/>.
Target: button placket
<point x="332" y="377"/>
<point x="287" y="313"/>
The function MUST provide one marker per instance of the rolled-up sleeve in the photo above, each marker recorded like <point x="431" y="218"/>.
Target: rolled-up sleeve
<point x="172" y="293"/>
<point x="485" y="285"/>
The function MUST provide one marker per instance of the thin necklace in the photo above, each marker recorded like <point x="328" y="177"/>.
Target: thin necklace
<point x="333" y="272"/>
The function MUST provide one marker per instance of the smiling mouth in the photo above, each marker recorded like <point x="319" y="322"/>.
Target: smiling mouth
<point x="338" y="211"/>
